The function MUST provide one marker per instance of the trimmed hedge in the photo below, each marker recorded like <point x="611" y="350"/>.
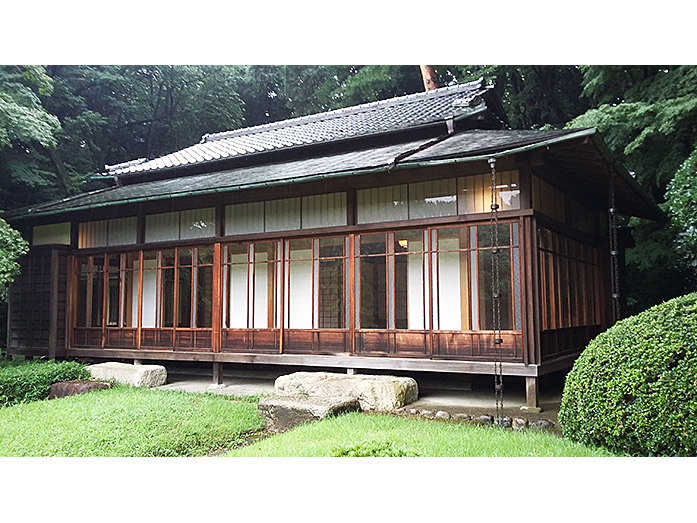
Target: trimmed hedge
<point x="633" y="390"/>
<point x="32" y="381"/>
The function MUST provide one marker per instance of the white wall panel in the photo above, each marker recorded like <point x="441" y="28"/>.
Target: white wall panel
<point x="244" y="218"/>
<point x="197" y="223"/>
<point x="162" y="227"/>
<point x="324" y="210"/>
<point x="282" y="215"/>
<point x="54" y="233"/>
<point x="123" y="231"/>
<point x="92" y="234"/>
<point x="382" y="204"/>
<point x="433" y="199"/>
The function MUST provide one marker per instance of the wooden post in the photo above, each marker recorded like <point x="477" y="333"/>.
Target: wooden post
<point x="217" y="373"/>
<point x="531" y="392"/>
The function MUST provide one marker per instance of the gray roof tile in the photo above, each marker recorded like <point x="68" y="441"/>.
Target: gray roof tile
<point x="362" y="120"/>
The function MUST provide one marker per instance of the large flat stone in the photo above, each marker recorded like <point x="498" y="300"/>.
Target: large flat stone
<point x="136" y="375"/>
<point x="285" y="412"/>
<point x="374" y="393"/>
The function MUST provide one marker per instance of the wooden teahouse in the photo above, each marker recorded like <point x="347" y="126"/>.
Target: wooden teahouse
<point x="359" y="238"/>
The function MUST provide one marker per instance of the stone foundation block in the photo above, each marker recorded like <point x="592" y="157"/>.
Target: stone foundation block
<point x="70" y="388"/>
<point x="374" y="393"/>
<point x="136" y="375"/>
<point x="283" y="412"/>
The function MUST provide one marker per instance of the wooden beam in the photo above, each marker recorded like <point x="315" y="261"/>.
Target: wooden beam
<point x="344" y="361"/>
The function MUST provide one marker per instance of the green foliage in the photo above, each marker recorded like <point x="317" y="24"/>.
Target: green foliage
<point x="12" y="246"/>
<point x="681" y="198"/>
<point x="32" y="381"/>
<point x="374" y="449"/>
<point x="533" y="96"/>
<point x="127" y="422"/>
<point x="633" y="390"/>
<point x="22" y="117"/>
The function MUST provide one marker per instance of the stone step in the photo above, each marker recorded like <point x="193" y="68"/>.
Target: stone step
<point x="136" y="375"/>
<point x="283" y="412"/>
<point x="374" y="393"/>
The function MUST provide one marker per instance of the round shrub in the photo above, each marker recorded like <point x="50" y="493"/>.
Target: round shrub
<point x="633" y="389"/>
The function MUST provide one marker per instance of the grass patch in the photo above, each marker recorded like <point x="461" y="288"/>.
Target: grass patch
<point x="127" y="421"/>
<point x="357" y="435"/>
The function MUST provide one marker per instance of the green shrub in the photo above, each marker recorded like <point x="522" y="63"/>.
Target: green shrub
<point x="32" y="381"/>
<point x="633" y="388"/>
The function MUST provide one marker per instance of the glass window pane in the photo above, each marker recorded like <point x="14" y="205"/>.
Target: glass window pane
<point x="97" y="291"/>
<point x="329" y="247"/>
<point x="299" y="302"/>
<point x="184" y="297"/>
<point x="237" y="300"/>
<point x="373" y="244"/>
<point x="184" y="255"/>
<point x="204" y="297"/>
<point x="237" y="253"/>
<point x="453" y="295"/>
<point x="373" y="299"/>
<point x="409" y="292"/>
<point x="167" y="312"/>
<point x="486" y="290"/>
<point x="167" y="259"/>
<point x="113" y="289"/>
<point x="264" y="252"/>
<point x="205" y="255"/>
<point x="408" y="241"/>
<point x="83" y="275"/>
<point x="264" y="294"/>
<point x="331" y="296"/>
<point x="300" y="249"/>
<point x="484" y="235"/>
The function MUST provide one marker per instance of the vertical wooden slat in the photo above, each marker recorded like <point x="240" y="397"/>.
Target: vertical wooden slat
<point x="141" y="273"/>
<point x="53" y="306"/>
<point x="105" y="290"/>
<point x="217" y="299"/>
<point x="354" y="291"/>
<point x="282" y="283"/>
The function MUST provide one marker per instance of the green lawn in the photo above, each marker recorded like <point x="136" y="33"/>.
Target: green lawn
<point x="127" y="421"/>
<point x="358" y="434"/>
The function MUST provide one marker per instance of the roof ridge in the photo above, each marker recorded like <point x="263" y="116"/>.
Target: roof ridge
<point x="328" y="115"/>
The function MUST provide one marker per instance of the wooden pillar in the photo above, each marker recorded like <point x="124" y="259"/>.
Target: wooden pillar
<point x="531" y="392"/>
<point x="217" y="373"/>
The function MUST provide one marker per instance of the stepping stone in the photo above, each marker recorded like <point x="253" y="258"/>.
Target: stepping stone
<point x="70" y="388"/>
<point x="283" y="412"/>
<point x="136" y="375"/>
<point x="374" y="393"/>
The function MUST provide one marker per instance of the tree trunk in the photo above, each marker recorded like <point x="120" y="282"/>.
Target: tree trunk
<point x="429" y="77"/>
<point x="61" y="172"/>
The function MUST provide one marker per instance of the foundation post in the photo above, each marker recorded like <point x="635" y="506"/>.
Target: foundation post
<point x="531" y="392"/>
<point x="351" y="372"/>
<point x="137" y="362"/>
<point x="217" y="374"/>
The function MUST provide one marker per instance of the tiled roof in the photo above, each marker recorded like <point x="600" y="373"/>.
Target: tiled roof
<point x="463" y="144"/>
<point x="358" y="121"/>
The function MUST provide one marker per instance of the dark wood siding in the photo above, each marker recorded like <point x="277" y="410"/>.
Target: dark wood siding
<point x="37" y="313"/>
